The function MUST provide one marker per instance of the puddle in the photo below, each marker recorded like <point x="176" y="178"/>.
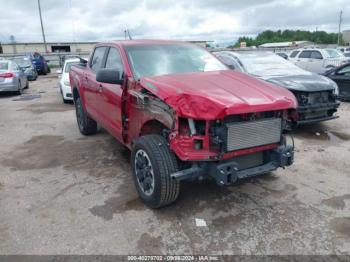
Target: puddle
<point x="115" y="205"/>
<point x="341" y="225"/>
<point x="337" y="202"/>
<point x="320" y="133"/>
<point x="27" y="97"/>
<point x="41" y="108"/>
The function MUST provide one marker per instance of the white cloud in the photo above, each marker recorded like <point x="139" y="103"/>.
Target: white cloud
<point x="84" y="20"/>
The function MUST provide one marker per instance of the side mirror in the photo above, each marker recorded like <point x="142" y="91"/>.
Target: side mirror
<point x="59" y="71"/>
<point x="109" y="76"/>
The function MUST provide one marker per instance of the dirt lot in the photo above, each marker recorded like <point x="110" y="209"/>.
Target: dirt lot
<point x="63" y="193"/>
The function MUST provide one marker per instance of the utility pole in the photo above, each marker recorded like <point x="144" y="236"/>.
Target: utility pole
<point x="339" y="30"/>
<point x="42" y="27"/>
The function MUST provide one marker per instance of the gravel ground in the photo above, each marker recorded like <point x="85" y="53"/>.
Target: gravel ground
<point x="63" y="193"/>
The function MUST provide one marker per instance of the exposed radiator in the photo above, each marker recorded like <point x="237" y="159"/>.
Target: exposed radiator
<point x="243" y="135"/>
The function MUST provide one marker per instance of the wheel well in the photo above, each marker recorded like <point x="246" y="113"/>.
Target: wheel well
<point x="152" y="127"/>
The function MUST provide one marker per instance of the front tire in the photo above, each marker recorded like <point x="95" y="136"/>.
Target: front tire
<point x="153" y="163"/>
<point x="87" y="126"/>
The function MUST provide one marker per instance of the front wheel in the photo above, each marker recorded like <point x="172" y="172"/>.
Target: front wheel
<point x="87" y="125"/>
<point x="153" y="163"/>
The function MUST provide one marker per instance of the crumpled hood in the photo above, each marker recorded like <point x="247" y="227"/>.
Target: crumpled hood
<point x="212" y="95"/>
<point x="305" y="83"/>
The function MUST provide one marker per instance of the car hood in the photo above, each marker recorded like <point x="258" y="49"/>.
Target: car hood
<point x="212" y="95"/>
<point x="305" y="83"/>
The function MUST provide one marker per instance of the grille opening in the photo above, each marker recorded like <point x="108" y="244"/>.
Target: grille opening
<point x="253" y="116"/>
<point x="184" y="129"/>
<point x="250" y="134"/>
<point x="198" y="144"/>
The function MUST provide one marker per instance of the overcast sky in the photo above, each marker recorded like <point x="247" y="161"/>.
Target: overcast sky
<point x="97" y="20"/>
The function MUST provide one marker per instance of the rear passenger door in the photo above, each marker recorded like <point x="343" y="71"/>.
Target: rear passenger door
<point x="110" y="96"/>
<point x="303" y="59"/>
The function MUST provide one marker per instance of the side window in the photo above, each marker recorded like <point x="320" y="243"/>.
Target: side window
<point x="114" y="60"/>
<point x="316" y="55"/>
<point x="344" y="71"/>
<point x="227" y="61"/>
<point x="97" y="58"/>
<point x="294" y="53"/>
<point x="15" y="67"/>
<point x="305" y="54"/>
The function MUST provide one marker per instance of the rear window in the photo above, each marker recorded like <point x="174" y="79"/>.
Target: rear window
<point x="294" y="53"/>
<point x="69" y="65"/>
<point x="4" y="66"/>
<point x="305" y="54"/>
<point x="24" y="62"/>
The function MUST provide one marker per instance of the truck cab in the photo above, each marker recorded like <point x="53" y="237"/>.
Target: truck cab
<point x="182" y="113"/>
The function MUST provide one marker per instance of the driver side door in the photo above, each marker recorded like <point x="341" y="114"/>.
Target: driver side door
<point x="110" y="96"/>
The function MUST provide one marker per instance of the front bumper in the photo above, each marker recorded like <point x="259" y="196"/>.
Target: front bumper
<point x="317" y="112"/>
<point x="229" y="171"/>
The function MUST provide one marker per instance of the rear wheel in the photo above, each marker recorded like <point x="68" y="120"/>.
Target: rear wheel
<point x="153" y="163"/>
<point x="19" y="91"/>
<point x="87" y="125"/>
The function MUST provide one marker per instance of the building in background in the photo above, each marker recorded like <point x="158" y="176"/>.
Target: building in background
<point x="286" y="45"/>
<point x="61" y="47"/>
<point x="346" y="37"/>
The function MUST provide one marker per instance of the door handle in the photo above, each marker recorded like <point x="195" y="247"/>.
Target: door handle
<point x="100" y="88"/>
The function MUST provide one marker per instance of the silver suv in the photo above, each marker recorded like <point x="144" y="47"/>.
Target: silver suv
<point x="317" y="60"/>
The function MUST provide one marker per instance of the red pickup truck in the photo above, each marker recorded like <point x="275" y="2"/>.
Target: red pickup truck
<point x="182" y="113"/>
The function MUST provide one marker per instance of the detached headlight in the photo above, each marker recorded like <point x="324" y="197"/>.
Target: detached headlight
<point x="67" y="83"/>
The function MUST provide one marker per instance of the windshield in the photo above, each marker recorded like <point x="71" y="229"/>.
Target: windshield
<point x="69" y="65"/>
<point x="333" y="53"/>
<point x="4" y="66"/>
<point x="155" y="60"/>
<point x="22" y="62"/>
<point x="268" y="64"/>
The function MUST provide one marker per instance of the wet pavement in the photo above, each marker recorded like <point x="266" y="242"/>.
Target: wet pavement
<point x="63" y="193"/>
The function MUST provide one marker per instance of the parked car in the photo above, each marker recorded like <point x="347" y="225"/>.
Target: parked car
<point x="316" y="94"/>
<point x="345" y="50"/>
<point x="12" y="78"/>
<point x="283" y="55"/>
<point x="341" y="75"/>
<point x="318" y="60"/>
<point x="63" y="58"/>
<point x="64" y="84"/>
<point x="182" y="114"/>
<point x="39" y="62"/>
<point x="26" y="65"/>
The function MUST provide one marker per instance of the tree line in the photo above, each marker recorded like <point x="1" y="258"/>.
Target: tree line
<point x="268" y="36"/>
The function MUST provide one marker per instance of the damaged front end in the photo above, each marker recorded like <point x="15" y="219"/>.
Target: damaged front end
<point x="235" y="147"/>
<point x="315" y="106"/>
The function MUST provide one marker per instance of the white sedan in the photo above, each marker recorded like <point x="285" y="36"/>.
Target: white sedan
<point x="64" y="83"/>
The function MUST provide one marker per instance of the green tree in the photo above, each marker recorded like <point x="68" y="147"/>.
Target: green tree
<point x="269" y="36"/>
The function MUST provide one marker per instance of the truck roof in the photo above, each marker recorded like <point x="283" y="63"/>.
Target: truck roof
<point x="144" y="42"/>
